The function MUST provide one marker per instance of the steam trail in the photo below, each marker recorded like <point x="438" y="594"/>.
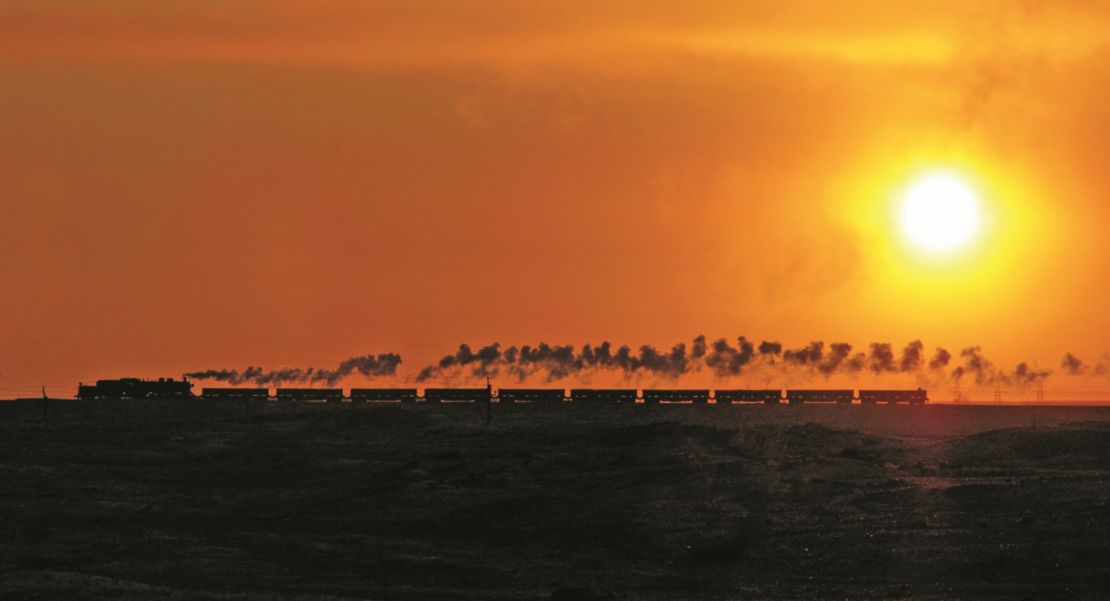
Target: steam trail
<point x="1073" y="365"/>
<point x="723" y="358"/>
<point x="940" y="360"/>
<point x="372" y="366"/>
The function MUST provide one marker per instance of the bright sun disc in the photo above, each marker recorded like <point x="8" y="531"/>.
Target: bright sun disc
<point x="939" y="212"/>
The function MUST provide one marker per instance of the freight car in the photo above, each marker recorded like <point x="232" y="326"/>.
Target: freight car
<point x="655" y="396"/>
<point x="913" y="397"/>
<point x="743" y="395"/>
<point x="611" y="395"/>
<point x="331" y="395"/>
<point x="532" y="395"/>
<point x="795" y="397"/>
<point x="254" y="394"/>
<point x="135" y="388"/>
<point x="456" y="395"/>
<point x="377" y="395"/>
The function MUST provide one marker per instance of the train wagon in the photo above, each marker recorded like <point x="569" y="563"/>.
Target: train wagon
<point x="456" y="395"/>
<point x="796" y="397"/>
<point x="610" y="395"/>
<point x="383" y="395"/>
<point x="654" y="396"/>
<point x="136" y="388"/>
<point x="238" y="394"/>
<point x="331" y="395"/>
<point x="743" y="395"/>
<point x="914" y="397"/>
<point x="532" y="395"/>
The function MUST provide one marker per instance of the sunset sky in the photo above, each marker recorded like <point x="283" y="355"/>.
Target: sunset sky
<point x="189" y="185"/>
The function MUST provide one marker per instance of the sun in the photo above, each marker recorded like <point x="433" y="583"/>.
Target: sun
<point x="939" y="212"/>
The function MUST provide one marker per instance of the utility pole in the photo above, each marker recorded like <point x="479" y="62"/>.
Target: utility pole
<point x="489" y="402"/>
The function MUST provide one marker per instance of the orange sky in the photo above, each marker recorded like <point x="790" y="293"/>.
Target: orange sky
<point x="286" y="183"/>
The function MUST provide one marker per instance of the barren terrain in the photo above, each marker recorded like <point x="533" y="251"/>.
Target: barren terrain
<point x="197" y="500"/>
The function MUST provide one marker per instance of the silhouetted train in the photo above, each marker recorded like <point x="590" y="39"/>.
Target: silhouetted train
<point x="401" y="395"/>
<point x="237" y="393"/>
<point x="134" y="388"/>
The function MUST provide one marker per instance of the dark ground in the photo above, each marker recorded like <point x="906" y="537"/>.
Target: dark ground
<point x="192" y="500"/>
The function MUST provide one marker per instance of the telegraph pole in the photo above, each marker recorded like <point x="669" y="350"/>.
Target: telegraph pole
<point x="489" y="402"/>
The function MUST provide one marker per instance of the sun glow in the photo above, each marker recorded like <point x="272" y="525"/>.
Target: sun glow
<point x="939" y="212"/>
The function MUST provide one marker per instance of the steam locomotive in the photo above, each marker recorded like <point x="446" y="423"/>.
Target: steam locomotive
<point x="168" y="388"/>
<point x="135" y="388"/>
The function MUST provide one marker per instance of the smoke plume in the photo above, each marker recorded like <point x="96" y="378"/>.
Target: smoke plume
<point x="371" y="366"/>
<point x="1024" y="375"/>
<point x="982" y="372"/>
<point x="882" y="358"/>
<point x="912" y="357"/>
<point x="974" y="365"/>
<point x="770" y="348"/>
<point x="807" y="355"/>
<point x="723" y="359"/>
<point x="1073" y="365"/>
<point x="839" y="353"/>
<point x="940" y="360"/>
<point x="726" y="360"/>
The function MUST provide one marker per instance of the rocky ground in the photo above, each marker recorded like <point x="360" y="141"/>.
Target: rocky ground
<point x="204" y="501"/>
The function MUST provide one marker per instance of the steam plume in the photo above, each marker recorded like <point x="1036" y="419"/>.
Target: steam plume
<point x="770" y="348"/>
<point x="372" y="366"/>
<point x="722" y="358"/>
<point x="839" y="352"/>
<point x="725" y="360"/>
<point x="882" y="357"/>
<point x="940" y="360"/>
<point x="974" y="365"/>
<point x="1073" y="365"/>
<point x="554" y="362"/>
<point x="807" y="355"/>
<point x="1024" y="375"/>
<point x="912" y="356"/>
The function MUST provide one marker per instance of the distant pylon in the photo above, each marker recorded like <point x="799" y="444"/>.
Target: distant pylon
<point x="998" y="393"/>
<point x="1040" y="393"/>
